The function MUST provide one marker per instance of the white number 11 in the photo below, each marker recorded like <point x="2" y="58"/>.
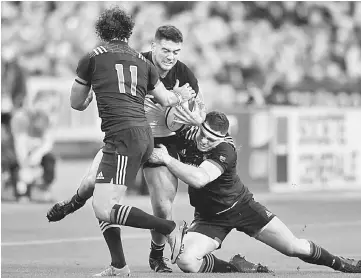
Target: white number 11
<point x="121" y="82"/>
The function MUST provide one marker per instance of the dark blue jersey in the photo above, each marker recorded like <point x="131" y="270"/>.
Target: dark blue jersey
<point x="120" y="78"/>
<point x="220" y="195"/>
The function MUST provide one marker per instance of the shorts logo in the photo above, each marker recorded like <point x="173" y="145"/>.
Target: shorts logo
<point x="222" y="158"/>
<point x="100" y="176"/>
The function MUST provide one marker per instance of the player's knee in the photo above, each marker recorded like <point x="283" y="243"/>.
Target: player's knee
<point x="101" y="209"/>
<point x="188" y="262"/>
<point x="293" y="248"/>
<point x="162" y="209"/>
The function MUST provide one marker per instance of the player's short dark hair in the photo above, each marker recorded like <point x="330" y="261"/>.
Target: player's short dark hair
<point x="169" y="33"/>
<point x="114" y="24"/>
<point x="217" y="121"/>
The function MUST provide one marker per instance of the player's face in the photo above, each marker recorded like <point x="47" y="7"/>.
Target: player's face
<point x="206" y="140"/>
<point x="166" y="53"/>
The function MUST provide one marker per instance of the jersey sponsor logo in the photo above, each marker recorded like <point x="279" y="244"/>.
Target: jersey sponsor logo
<point x="100" y="176"/>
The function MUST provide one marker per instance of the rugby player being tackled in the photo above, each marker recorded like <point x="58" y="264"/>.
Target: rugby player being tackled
<point x="208" y="162"/>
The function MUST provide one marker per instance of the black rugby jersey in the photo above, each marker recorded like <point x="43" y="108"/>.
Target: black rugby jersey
<point x="223" y="193"/>
<point x="179" y="71"/>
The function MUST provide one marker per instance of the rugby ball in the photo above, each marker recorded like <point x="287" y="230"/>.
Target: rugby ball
<point x="170" y="117"/>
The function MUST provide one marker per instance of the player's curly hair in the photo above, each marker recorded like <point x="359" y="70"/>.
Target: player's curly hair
<point x="114" y="24"/>
<point x="217" y="121"/>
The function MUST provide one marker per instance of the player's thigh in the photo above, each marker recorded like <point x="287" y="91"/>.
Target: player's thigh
<point x="251" y="217"/>
<point x="108" y="186"/>
<point x="91" y="173"/>
<point x="162" y="184"/>
<point x="278" y="236"/>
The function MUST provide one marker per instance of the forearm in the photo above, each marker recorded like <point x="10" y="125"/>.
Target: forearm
<point x="189" y="174"/>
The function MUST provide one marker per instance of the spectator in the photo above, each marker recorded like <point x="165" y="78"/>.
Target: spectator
<point x="13" y="92"/>
<point x="33" y="127"/>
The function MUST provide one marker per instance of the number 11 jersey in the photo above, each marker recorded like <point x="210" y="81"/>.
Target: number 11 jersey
<point x="120" y="78"/>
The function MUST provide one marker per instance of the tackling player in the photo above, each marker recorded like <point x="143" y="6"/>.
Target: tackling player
<point x="222" y="203"/>
<point x="120" y="78"/>
<point x="162" y="184"/>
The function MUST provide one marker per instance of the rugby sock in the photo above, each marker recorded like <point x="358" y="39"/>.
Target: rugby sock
<point x="215" y="265"/>
<point x="134" y="217"/>
<point x="320" y="256"/>
<point x="77" y="201"/>
<point x="111" y="233"/>
<point x="156" y="251"/>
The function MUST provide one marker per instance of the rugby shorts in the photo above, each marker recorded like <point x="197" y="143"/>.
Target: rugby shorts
<point x="171" y="143"/>
<point x="124" y="154"/>
<point x="249" y="218"/>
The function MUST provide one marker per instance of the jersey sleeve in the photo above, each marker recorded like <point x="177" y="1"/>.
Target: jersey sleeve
<point x="153" y="76"/>
<point x="224" y="156"/>
<point x="191" y="79"/>
<point x="85" y="68"/>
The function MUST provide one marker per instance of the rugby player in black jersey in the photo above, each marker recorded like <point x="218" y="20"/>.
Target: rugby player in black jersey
<point x="208" y="163"/>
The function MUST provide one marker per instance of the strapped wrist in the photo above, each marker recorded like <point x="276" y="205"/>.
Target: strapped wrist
<point x="180" y="99"/>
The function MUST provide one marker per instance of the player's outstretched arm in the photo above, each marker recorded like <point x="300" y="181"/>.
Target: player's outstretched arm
<point x="172" y="98"/>
<point x="196" y="177"/>
<point x="81" y="95"/>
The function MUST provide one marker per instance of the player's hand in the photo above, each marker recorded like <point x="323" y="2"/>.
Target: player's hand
<point x="186" y="116"/>
<point x="185" y="91"/>
<point x="160" y="155"/>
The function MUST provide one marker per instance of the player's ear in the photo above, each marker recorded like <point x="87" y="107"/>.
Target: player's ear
<point x="153" y="45"/>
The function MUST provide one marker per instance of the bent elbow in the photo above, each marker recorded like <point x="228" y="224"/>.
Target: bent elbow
<point x="77" y="107"/>
<point x="199" y="182"/>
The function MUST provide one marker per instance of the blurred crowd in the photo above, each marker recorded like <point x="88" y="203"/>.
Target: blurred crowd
<point x="253" y="52"/>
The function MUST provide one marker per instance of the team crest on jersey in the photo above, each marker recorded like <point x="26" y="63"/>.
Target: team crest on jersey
<point x="222" y="158"/>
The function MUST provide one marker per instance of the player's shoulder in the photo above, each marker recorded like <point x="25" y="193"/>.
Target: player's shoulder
<point x="226" y="147"/>
<point x="182" y="67"/>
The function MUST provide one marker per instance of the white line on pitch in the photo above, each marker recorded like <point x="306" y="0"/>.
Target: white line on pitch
<point x="64" y="240"/>
<point x="146" y="235"/>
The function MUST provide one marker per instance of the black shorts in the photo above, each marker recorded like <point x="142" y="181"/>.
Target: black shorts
<point x="170" y="142"/>
<point x="249" y="218"/>
<point x="124" y="154"/>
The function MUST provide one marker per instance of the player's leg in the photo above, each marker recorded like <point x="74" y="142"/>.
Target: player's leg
<point x="162" y="185"/>
<point x="120" y="163"/>
<point x="277" y="235"/>
<point x="198" y="244"/>
<point x="83" y="193"/>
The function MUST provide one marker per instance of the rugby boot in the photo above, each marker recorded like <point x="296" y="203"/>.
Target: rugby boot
<point x="159" y="265"/>
<point x="113" y="271"/>
<point x="61" y="209"/>
<point x="245" y="266"/>
<point x="350" y="265"/>
<point x="175" y="240"/>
